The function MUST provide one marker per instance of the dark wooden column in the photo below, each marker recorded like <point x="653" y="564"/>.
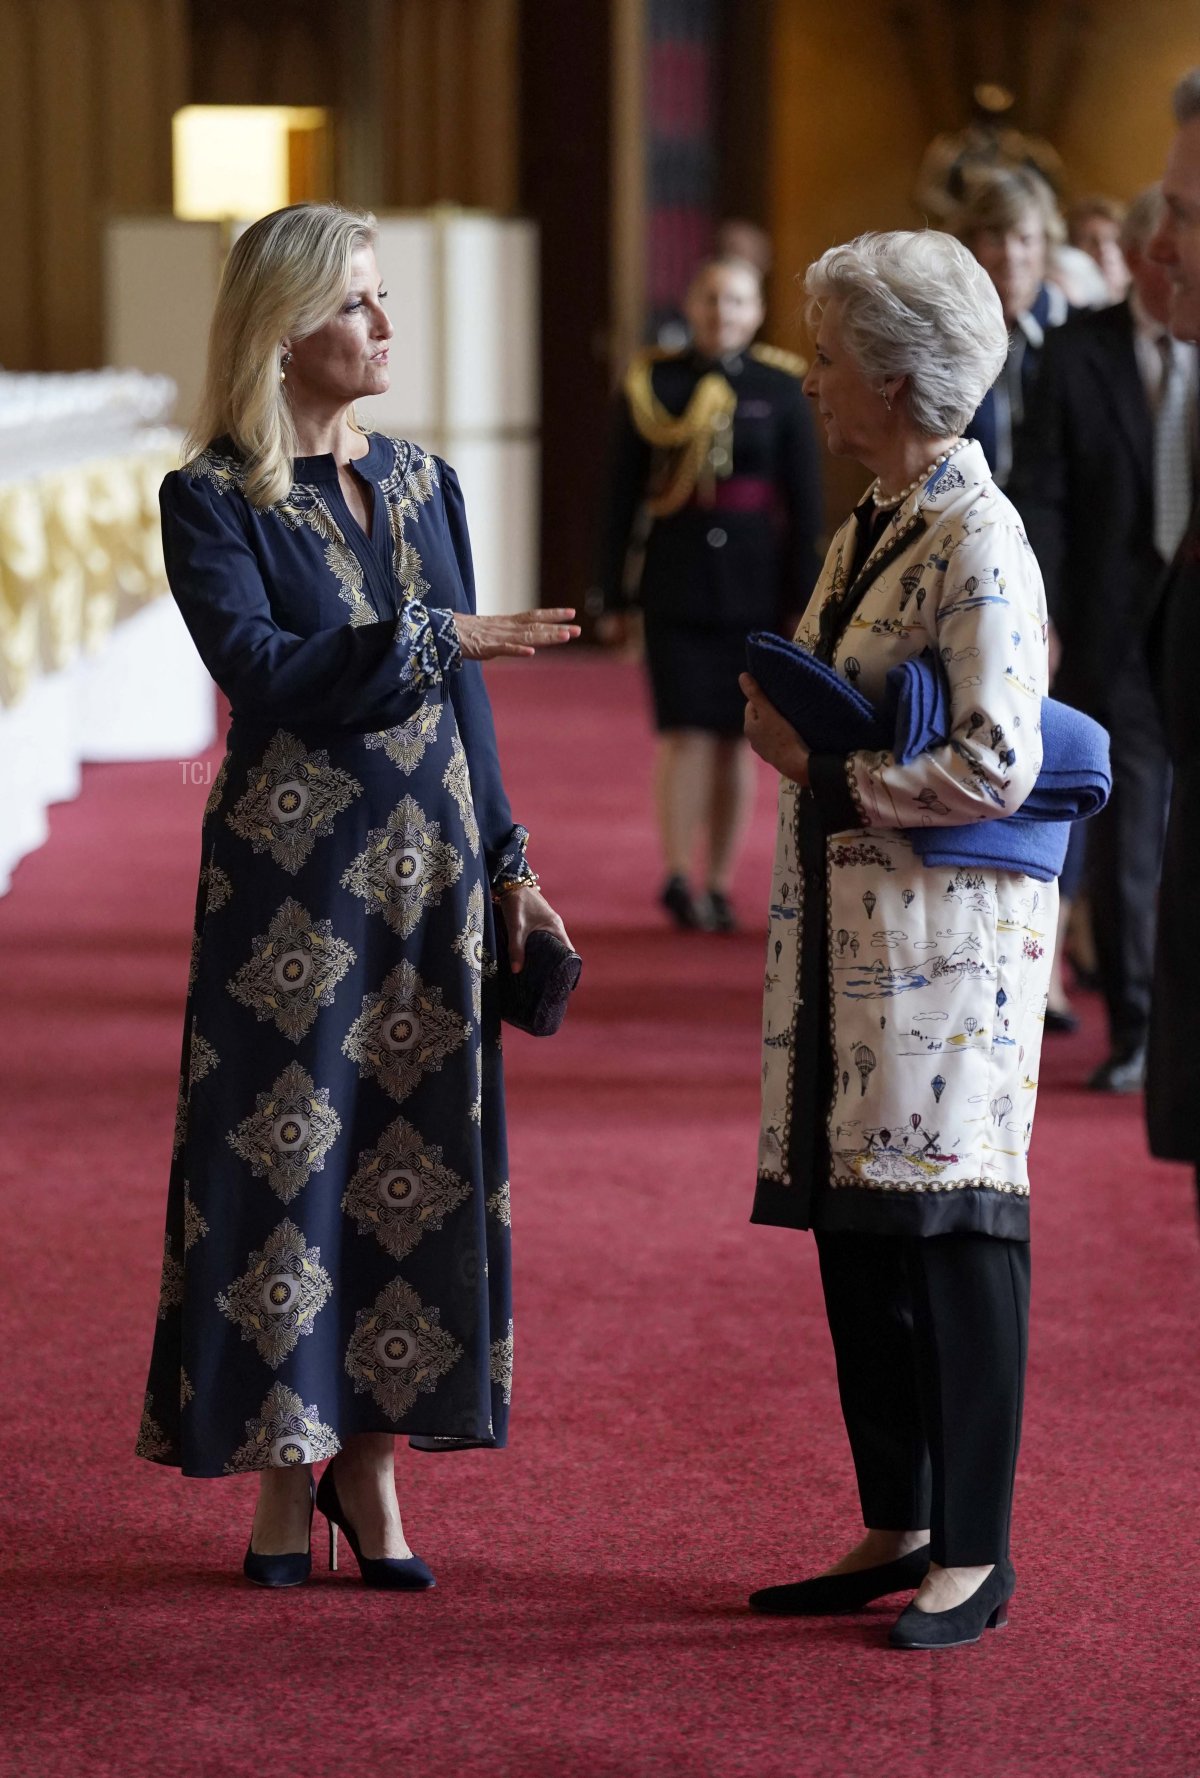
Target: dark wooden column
<point x="566" y="186"/>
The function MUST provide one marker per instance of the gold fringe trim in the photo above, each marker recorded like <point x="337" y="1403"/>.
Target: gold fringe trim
<point x="778" y="359"/>
<point x="694" y="447"/>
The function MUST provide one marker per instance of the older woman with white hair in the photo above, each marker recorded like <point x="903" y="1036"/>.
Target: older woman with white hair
<point x="336" y="1267"/>
<point x="903" y="1005"/>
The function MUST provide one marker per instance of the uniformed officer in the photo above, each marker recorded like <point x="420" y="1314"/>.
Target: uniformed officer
<point x="711" y="526"/>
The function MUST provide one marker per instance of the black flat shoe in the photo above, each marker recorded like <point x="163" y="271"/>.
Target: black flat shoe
<point x="409" y="1575"/>
<point x="291" y="1569"/>
<point x="827" y="1594"/>
<point x="986" y="1609"/>
<point x="682" y="906"/>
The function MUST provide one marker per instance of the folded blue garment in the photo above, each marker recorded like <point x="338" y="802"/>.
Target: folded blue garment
<point x="1074" y="782"/>
<point x="817" y="701"/>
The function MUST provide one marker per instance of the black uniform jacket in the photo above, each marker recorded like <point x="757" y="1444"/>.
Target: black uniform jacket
<point x="749" y="560"/>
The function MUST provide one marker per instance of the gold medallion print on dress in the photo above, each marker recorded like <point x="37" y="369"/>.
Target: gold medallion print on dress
<point x="404" y="868"/>
<point x="402" y="1189"/>
<point x="403" y="1032"/>
<point x="285" y="1434"/>
<point x="296" y="966"/>
<point x="289" y="1133"/>
<point x="279" y="1295"/>
<point x="292" y="799"/>
<point x="399" y="1349"/>
<point x="405" y="744"/>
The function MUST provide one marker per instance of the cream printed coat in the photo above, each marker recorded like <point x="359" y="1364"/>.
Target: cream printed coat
<point x="937" y="979"/>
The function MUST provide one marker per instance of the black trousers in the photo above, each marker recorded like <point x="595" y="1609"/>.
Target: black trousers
<point x="930" y="1338"/>
<point x="1124" y="857"/>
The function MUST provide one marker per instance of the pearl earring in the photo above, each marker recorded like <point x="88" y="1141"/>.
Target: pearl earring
<point x="287" y="359"/>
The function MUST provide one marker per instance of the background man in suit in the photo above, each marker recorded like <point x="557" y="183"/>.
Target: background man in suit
<point x="1103" y="481"/>
<point x="1173" y="1086"/>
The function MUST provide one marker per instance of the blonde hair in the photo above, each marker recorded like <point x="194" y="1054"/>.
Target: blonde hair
<point x="285" y="276"/>
<point x="1000" y="198"/>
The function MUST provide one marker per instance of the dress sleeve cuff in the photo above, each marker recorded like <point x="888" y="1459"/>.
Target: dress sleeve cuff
<point x="830" y="778"/>
<point x="445" y="640"/>
<point x="509" y="867"/>
<point x="428" y="641"/>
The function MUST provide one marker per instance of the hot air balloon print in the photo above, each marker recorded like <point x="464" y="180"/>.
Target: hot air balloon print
<point x="970" y="1026"/>
<point x="864" y="1061"/>
<point x="778" y="951"/>
<point x="841" y="938"/>
<point x="907" y="897"/>
<point x="854" y="944"/>
<point x="845" y="1080"/>
<point x="1001" y="1107"/>
<point x="1001" y="998"/>
<point x="868" y="902"/>
<point x="939" y="1087"/>
<point x="915" y="1120"/>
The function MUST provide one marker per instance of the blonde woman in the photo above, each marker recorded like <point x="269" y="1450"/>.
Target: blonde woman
<point x="336" y="1269"/>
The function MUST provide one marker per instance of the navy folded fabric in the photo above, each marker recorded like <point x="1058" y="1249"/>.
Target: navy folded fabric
<point x="820" y="705"/>
<point x="1074" y="782"/>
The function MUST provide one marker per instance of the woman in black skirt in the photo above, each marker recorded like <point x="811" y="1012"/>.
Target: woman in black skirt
<point x="715" y="486"/>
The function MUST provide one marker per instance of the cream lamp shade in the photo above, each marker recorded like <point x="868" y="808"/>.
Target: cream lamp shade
<point x="246" y="160"/>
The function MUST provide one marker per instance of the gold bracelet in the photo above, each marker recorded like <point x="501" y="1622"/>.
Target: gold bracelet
<point x="510" y="887"/>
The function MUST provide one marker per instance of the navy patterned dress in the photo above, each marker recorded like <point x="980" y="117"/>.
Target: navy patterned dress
<point x="337" y="1239"/>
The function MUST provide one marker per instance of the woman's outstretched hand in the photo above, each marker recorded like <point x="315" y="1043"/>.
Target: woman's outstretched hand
<point x="771" y="735"/>
<point x="525" y="911"/>
<point x="523" y="633"/>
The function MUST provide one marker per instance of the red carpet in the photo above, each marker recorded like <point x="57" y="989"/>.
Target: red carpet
<point x="676" y="1439"/>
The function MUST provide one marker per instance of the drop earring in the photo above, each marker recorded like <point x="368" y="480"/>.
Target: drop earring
<point x="287" y="359"/>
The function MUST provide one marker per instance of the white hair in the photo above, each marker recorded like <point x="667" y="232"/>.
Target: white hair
<point x="920" y="306"/>
<point x="1079" y="278"/>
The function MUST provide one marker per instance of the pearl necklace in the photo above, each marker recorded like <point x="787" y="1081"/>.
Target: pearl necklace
<point x="894" y="500"/>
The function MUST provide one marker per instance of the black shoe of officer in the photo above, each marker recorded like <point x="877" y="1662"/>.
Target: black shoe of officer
<point x="721" y="917"/>
<point x="680" y="903"/>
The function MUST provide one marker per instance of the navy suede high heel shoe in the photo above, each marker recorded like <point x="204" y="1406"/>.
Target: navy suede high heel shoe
<point x="289" y="1570"/>
<point x="986" y="1609"/>
<point x="406" y="1576"/>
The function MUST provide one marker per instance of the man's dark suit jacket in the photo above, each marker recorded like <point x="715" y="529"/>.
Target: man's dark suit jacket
<point x="1083" y="485"/>
<point x="1173" y="1075"/>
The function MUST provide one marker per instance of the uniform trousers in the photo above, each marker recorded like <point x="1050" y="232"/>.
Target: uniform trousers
<point x="930" y="1337"/>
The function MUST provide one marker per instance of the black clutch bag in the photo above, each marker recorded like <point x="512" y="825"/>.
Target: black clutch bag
<point x="535" y="999"/>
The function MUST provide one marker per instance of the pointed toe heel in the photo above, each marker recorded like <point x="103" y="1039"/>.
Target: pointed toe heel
<point x="291" y="1569"/>
<point x="388" y="1573"/>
